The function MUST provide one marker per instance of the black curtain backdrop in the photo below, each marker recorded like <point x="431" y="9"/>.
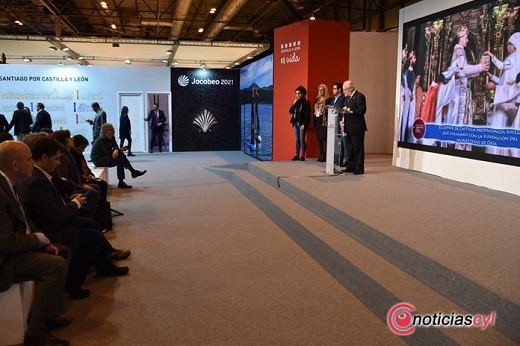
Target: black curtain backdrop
<point x="210" y="99"/>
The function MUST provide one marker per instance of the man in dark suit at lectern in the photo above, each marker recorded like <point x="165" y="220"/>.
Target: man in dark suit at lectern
<point x="354" y="109"/>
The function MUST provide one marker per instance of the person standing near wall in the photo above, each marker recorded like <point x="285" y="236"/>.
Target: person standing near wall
<point x="4" y="124"/>
<point x="337" y="101"/>
<point x="354" y="109"/>
<point x="99" y="119"/>
<point x="157" y="120"/>
<point x="125" y="130"/>
<point x="43" y="119"/>
<point x="320" y="120"/>
<point x="300" y="119"/>
<point x="21" y="121"/>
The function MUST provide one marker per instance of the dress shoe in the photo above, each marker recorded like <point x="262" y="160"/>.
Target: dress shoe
<point x="130" y="154"/>
<point x="302" y="158"/>
<point x="123" y="185"/>
<point x="295" y="158"/>
<point x="58" y="322"/>
<point x="119" y="254"/>
<point x="115" y="271"/>
<point x="137" y="173"/>
<point x="359" y="172"/>
<point x="76" y="292"/>
<point x="46" y="339"/>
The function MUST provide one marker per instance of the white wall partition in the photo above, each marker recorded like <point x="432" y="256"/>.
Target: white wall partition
<point x="69" y="91"/>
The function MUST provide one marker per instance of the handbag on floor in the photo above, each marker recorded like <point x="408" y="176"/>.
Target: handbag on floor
<point x="104" y="214"/>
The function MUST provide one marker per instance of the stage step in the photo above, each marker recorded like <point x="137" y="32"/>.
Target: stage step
<point x="375" y="277"/>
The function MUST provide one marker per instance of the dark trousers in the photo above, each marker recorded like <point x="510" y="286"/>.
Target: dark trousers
<point x="49" y="273"/>
<point x="129" y="140"/>
<point x="356" y="157"/>
<point x="121" y="162"/>
<point x="156" y="137"/>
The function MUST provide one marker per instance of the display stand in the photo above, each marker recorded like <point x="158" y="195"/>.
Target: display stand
<point x="332" y="114"/>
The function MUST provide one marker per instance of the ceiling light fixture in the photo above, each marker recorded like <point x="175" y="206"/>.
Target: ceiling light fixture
<point x="27" y="59"/>
<point x="65" y="49"/>
<point x="212" y="10"/>
<point x="18" y="22"/>
<point x="203" y="66"/>
<point x="169" y="51"/>
<point x="201" y="30"/>
<point x="128" y="61"/>
<point x="312" y="17"/>
<point x="104" y="4"/>
<point x="175" y="63"/>
<point x="53" y="48"/>
<point x="81" y="58"/>
<point x="113" y="26"/>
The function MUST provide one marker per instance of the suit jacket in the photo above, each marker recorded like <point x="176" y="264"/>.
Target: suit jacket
<point x="153" y="117"/>
<point x="125" y="126"/>
<point x="355" y="119"/>
<point x="99" y="119"/>
<point x="21" y="121"/>
<point x="4" y="124"/>
<point x="43" y="120"/>
<point x="47" y="210"/>
<point x="13" y="237"/>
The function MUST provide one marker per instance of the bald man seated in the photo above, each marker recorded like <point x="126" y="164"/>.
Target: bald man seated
<point x="27" y="254"/>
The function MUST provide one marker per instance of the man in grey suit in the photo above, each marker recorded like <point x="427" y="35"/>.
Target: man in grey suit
<point x="25" y="253"/>
<point x="99" y="119"/>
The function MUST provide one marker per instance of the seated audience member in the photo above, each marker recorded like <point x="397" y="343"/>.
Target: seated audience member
<point x="69" y="182"/>
<point x="80" y="144"/>
<point x="60" y="221"/>
<point x="67" y="169"/>
<point x="106" y="153"/>
<point x="5" y="136"/>
<point x="27" y="254"/>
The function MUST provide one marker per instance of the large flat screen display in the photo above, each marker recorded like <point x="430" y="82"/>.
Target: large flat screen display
<point x="460" y="82"/>
<point x="256" y="107"/>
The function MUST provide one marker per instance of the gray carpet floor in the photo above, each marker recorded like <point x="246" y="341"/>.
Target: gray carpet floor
<point x="227" y="250"/>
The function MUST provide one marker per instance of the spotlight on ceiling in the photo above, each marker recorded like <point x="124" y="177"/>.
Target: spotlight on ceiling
<point x="113" y="26"/>
<point x="128" y="61"/>
<point x="201" y="30"/>
<point x="53" y="48"/>
<point x="203" y="66"/>
<point x="175" y="62"/>
<point x="115" y="45"/>
<point x="65" y="49"/>
<point x="312" y="17"/>
<point x="81" y="58"/>
<point x="27" y="59"/>
<point x="169" y="51"/>
<point x="212" y="10"/>
<point x="18" y="22"/>
<point x="103" y="4"/>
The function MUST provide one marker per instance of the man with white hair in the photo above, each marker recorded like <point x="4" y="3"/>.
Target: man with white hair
<point x="106" y="153"/>
<point x="354" y="109"/>
<point x="27" y="254"/>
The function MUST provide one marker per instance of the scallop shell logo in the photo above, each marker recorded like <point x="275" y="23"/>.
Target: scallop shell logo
<point x="205" y="120"/>
<point x="183" y="80"/>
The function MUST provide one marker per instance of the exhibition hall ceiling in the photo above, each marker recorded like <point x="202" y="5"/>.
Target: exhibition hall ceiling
<point x="184" y="33"/>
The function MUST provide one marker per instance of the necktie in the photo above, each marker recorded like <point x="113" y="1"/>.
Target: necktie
<point x="157" y="117"/>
